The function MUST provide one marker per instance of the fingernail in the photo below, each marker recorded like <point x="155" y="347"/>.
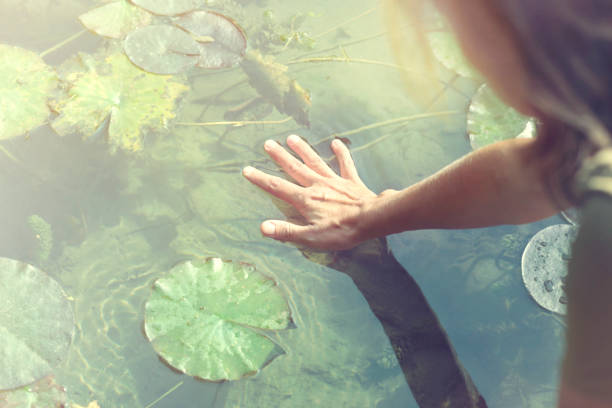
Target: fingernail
<point x="336" y="143"/>
<point x="268" y="228"/>
<point x="269" y="144"/>
<point x="247" y="170"/>
<point x="293" y="139"/>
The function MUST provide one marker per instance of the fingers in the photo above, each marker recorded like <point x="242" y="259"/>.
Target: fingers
<point x="347" y="166"/>
<point x="309" y="156"/>
<point x="279" y="187"/>
<point x="286" y="231"/>
<point x="299" y="171"/>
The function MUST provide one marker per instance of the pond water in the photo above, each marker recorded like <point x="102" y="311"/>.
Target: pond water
<point x="121" y="220"/>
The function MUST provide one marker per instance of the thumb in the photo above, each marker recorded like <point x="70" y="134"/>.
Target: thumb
<point x="283" y="230"/>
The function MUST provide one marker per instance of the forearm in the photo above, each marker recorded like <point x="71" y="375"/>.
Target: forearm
<point x="499" y="184"/>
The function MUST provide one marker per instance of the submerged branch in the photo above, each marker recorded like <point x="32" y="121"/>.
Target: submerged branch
<point x="164" y="395"/>
<point x="350" y="20"/>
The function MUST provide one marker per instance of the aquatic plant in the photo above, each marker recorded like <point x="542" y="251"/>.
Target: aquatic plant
<point x="169" y="8"/>
<point x="201" y="318"/>
<point x="115" y="19"/>
<point x="545" y="268"/>
<point x="271" y="81"/>
<point x="25" y="83"/>
<point x="114" y="88"/>
<point x="36" y="324"/>
<point x="44" y="393"/>
<point x="490" y="120"/>
<point x="44" y="235"/>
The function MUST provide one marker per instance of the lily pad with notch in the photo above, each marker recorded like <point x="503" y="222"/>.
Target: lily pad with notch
<point x="490" y="120"/>
<point x="222" y="42"/>
<point x="544" y="266"/>
<point x="116" y="19"/>
<point x="25" y="84"/>
<point x="112" y="86"/>
<point x="36" y="324"/>
<point x="210" y="319"/>
<point x="162" y="49"/>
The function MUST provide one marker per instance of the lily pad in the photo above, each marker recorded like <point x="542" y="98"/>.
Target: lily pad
<point x="447" y="51"/>
<point x="169" y="7"/>
<point x="44" y="393"/>
<point x="222" y="42"/>
<point x="36" y="324"/>
<point x="25" y="84"/>
<point x="544" y="266"/>
<point x="269" y="78"/>
<point x="490" y="120"/>
<point x="162" y="49"/>
<point x="115" y="19"/>
<point x="206" y="319"/>
<point x="113" y="86"/>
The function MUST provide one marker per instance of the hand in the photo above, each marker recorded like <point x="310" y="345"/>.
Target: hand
<point x="333" y="205"/>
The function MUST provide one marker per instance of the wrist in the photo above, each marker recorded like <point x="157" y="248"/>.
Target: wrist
<point x="375" y="216"/>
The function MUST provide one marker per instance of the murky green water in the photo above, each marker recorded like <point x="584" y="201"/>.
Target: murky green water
<point x="122" y="220"/>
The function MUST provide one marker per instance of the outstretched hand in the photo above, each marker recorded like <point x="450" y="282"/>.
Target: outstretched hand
<point x="333" y="205"/>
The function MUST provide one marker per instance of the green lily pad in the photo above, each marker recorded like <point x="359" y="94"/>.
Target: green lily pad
<point x="222" y="42"/>
<point x="113" y="86"/>
<point x="36" y="324"/>
<point x="45" y="393"/>
<point x="490" y="120"/>
<point x="169" y="7"/>
<point x="25" y="84"/>
<point x="115" y="19"/>
<point x="447" y="51"/>
<point x="162" y="49"/>
<point x="206" y="319"/>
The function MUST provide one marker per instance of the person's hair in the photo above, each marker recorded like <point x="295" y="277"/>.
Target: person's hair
<point x="567" y="50"/>
<point x="566" y="47"/>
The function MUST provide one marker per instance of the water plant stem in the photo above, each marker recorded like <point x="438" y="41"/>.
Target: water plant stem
<point x="236" y="122"/>
<point x="61" y="44"/>
<point x="164" y="395"/>
<point x="388" y="122"/>
<point x="350" y="20"/>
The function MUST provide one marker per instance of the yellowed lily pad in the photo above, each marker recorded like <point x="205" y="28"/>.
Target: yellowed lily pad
<point x="134" y="99"/>
<point x="116" y="19"/>
<point x="45" y="393"/>
<point x="25" y="84"/>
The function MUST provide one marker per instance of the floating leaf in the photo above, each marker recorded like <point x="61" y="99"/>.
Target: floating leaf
<point x="447" y="51"/>
<point x="544" y="266"/>
<point x="44" y="393"/>
<point x="115" y="19"/>
<point x="25" y="83"/>
<point x="134" y="99"/>
<point x="169" y="7"/>
<point x="36" y="324"/>
<point x="92" y="404"/>
<point x="222" y="42"/>
<point x="162" y="49"/>
<point x="200" y="319"/>
<point x="490" y="120"/>
<point x="270" y="80"/>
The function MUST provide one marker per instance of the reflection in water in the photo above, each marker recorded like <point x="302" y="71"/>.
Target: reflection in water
<point x="423" y="350"/>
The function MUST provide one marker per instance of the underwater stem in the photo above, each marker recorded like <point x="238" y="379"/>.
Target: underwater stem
<point x="61" y="44"/>
<point x="236" y="122"/>
<point x="386" y="123"/>
<point x="350" y="20"/>
<point x="164" y="395"/>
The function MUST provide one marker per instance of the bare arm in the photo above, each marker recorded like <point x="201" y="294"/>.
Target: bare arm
<point x="499" y="184"/>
